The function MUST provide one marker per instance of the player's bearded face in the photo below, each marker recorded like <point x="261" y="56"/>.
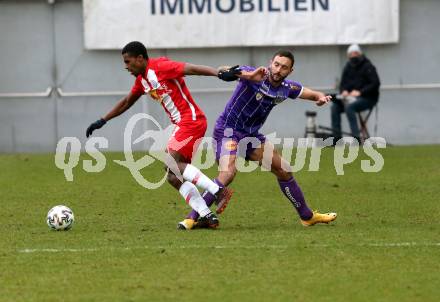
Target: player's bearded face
<point x="134" y="65"/>
<point x="280" y="68"/>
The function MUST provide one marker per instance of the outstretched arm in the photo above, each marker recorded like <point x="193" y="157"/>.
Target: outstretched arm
<point x="226" y="73"/>
<point x="317" y="96"/>
<point x="192" y="69"/>
<point x="123" y="105"/>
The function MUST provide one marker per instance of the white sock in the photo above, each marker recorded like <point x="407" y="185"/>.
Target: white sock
<point x="194" y="199"/>
<point x="195" y="176"/>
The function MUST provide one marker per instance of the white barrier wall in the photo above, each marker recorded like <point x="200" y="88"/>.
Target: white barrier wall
<point x="42" y="46"/>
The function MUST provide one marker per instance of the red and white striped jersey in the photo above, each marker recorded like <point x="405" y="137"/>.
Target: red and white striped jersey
<point x="163" y="82"/>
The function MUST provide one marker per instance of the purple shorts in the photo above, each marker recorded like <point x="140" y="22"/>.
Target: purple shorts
<point x="227" y="141"/>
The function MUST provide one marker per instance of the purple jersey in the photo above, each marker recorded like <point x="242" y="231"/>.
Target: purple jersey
<point x="251" y="103"/>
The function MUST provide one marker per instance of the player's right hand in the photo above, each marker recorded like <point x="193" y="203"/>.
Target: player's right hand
<point x="323" y="99"/>
<point x="96" y="125"/>
<point x="229" y="74"/>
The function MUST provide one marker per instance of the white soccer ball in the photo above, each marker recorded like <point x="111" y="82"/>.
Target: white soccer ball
<point x="60" y="218"/>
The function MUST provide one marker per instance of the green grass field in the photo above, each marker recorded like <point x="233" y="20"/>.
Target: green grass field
<point x="124" y="246"/>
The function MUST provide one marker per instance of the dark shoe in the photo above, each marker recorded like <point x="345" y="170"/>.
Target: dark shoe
<point x="209" y="221"/>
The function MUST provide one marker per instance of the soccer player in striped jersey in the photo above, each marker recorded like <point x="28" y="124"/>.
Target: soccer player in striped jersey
<point x="162" y="79"/>
<point x="244" y="115"/>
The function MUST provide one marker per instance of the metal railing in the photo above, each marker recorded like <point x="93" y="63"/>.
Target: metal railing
<point x="44" y="94"/>
<point x="62" y="93"/>
<point x="121" y="93"/>
<point x="230" y="89"/>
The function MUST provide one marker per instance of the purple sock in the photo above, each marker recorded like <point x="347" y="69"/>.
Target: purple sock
<point x="209" y="199"/>
<point x="293" y="192"/>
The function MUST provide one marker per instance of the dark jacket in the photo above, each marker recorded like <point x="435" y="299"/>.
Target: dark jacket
<point x="363" y="77"/>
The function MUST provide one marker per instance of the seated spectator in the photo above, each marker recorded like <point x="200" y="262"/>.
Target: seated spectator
<point x="359" y="91"/>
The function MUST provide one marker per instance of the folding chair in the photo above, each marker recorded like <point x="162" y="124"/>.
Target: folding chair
<point x="363" y="117"/>
<point x="363" y="120"/>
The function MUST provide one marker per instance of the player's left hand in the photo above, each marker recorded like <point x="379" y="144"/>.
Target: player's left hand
<point x="324" y="99"/>
<point x="229" y="74"/>
<point x="257" y="75"/>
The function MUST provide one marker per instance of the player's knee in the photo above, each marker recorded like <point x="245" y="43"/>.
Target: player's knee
<point x="282" y="173"/>
<point x="175" y="162"/>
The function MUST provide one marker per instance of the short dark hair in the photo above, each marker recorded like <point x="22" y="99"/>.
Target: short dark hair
<point x="134" y="49"/>
<point x="285" y="53"/>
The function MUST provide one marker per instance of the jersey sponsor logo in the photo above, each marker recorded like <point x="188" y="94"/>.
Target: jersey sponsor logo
<point x="152" y="90"/>
<point x="279" y="98"/>
<point x="266" y="91"/>
<point x="165" y="88"/>
<point x="157" y="92"/>
<point x="156" y="89"/>
<point x="155" y="95"/>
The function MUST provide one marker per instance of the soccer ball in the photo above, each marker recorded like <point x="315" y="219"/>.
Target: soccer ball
<point x="60" y="218"/>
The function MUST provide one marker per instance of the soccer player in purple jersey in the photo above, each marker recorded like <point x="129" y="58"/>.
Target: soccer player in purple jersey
<point x="244" y="115"/>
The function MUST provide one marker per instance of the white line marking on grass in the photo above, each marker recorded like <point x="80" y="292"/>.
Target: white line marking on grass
<point x="57" y="250"/>
<point x="239" y="247"/>
<point x="402" y="244"/>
